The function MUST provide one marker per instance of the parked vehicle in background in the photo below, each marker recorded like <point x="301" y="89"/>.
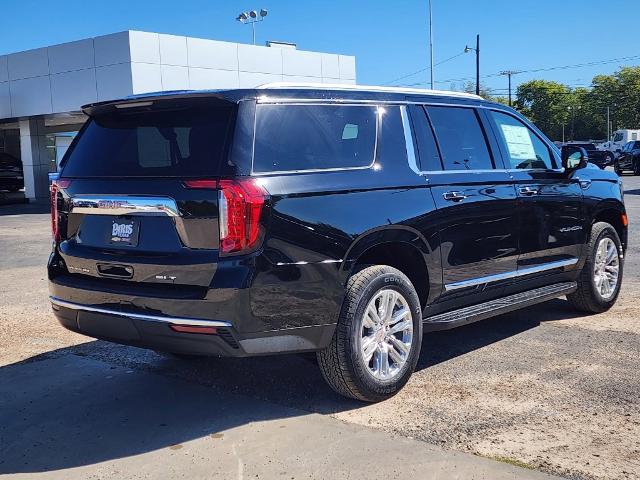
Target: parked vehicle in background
<point x="11" y="177"/>
<point x="629" y="159"/>
<point x="601" y="158"/>
<point x="342" y="220"/>
<point x="619" y="139"/>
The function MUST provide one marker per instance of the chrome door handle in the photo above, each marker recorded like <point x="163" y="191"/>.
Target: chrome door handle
<point x="454" y="196"/>
<point x="528" y="191"/>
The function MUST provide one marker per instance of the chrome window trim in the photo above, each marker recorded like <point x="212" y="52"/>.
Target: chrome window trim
<point x="408" y="140"/>
<point x="318" y="170"/>
<point x="138" y="316"/>
<point x="507" y="275"/>
<point x="124" y="205"/>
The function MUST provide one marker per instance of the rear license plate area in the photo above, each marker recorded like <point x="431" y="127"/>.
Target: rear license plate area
<point x="124" y="231"/>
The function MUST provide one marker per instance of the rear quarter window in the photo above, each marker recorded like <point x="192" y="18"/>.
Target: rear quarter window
<point x="314" y="137"/>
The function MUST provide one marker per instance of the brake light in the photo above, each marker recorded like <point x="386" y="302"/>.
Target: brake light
<point x="240" y="205"/>
<point x="55" y="187"/>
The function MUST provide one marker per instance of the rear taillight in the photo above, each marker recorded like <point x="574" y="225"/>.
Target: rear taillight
<point x="55" y="188"/>
<point x="240" y="204"/>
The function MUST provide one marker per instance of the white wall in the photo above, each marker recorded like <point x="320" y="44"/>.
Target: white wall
<point x="62" y="78"/>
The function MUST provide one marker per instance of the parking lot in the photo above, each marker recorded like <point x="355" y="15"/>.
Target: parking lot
<point x="543" y="388"/>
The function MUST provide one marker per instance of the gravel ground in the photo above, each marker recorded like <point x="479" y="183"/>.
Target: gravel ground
<point x="543" y="387"/>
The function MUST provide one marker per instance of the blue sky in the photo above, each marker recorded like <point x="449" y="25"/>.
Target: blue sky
<point x="389" y="38"/>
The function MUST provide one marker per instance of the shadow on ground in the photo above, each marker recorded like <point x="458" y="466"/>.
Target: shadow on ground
<point x="9" y="206"/>
<point x="98" y="401"/>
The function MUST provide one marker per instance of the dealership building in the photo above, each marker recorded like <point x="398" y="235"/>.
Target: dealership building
<point x="42" y="90"/>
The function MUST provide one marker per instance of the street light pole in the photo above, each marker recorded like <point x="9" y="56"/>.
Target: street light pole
<point x="431" y="43"/>
<point x="478" y="64"/>
<point x="252" y="18"/>
<point x="467" y="49"/>
<point x="608" y="125"/>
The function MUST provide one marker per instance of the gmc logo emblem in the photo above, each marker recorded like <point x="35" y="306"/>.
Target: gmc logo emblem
<point x="110" y="204"/>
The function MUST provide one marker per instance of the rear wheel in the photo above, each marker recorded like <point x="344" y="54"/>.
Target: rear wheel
<point x="617" y="169"/>
<point x="608" y="158"/>
<point x="636" y="167"/>
<point x="601" y="276"/>
<point x="377" y="340"/>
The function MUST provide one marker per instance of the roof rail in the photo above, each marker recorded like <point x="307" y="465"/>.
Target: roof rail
<point x="364" y="88"/>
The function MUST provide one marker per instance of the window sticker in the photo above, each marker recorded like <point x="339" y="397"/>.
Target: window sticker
<point x="350" y="132"/>
<point x="518" y="142"/>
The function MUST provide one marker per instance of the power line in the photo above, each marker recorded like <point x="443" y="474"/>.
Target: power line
<point x="424" y="69"/>
<point x="544" y="69"/>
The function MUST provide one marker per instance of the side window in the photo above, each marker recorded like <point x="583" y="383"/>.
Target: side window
<point x="462" y="142"/>
<point x="426" y="142"/>
<point x="524" y="148"/>
<point x="313" y="137"/>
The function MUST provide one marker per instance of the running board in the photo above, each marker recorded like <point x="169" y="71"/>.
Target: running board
<point x="463" y="316"/>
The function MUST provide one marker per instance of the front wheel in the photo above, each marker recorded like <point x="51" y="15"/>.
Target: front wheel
<point x="601" y="276"/>
<point x="377" y="340"/>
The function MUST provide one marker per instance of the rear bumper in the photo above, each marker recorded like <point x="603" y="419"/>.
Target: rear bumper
<point x="155" y="332"/>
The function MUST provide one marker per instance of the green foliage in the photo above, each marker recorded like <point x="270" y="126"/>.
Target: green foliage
<point x="550" y="105"/>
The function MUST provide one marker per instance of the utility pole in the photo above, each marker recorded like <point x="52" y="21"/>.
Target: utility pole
<point x="431" y="43"/>
<point x="608" y="125"/>
<point x="508" y="73"/>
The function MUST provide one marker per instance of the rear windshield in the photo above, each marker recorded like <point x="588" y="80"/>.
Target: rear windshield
<point x="189" y="142"/>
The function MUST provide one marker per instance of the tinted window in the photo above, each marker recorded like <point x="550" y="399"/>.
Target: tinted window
<point x="617" y="137"/>
<point x="461" y="139"/>
<point x="426" y="143"/>
<point x="524" y="148"/>
<point x="169" y="143"/>
<point x="310" y="137"/>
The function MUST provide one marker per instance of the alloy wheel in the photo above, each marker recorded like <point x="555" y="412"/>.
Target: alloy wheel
<point x="606" y="268"/>
<point x="386" y="334"/>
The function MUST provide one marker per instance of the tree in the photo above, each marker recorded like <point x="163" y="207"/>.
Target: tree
<point x="547" y="104"/>
<point x="485" y="92"/>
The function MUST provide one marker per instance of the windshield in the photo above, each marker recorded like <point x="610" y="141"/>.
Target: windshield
<point x="617" y="137"/>
<point x="167" y="143"/>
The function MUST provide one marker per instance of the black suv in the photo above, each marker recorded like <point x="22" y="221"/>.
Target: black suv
<point x="340" y="220"/>
<point x="629" y="159"/>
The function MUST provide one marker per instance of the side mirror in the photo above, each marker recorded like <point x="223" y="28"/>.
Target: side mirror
<point x="573" y="158"/>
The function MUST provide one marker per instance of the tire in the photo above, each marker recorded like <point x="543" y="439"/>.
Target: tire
<point x="343" y="363"/>
<point x="617" y="169"/>
<point x="608" y="160"/>
<point x="589" y="297"/>
<point x="635" y="165"/>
